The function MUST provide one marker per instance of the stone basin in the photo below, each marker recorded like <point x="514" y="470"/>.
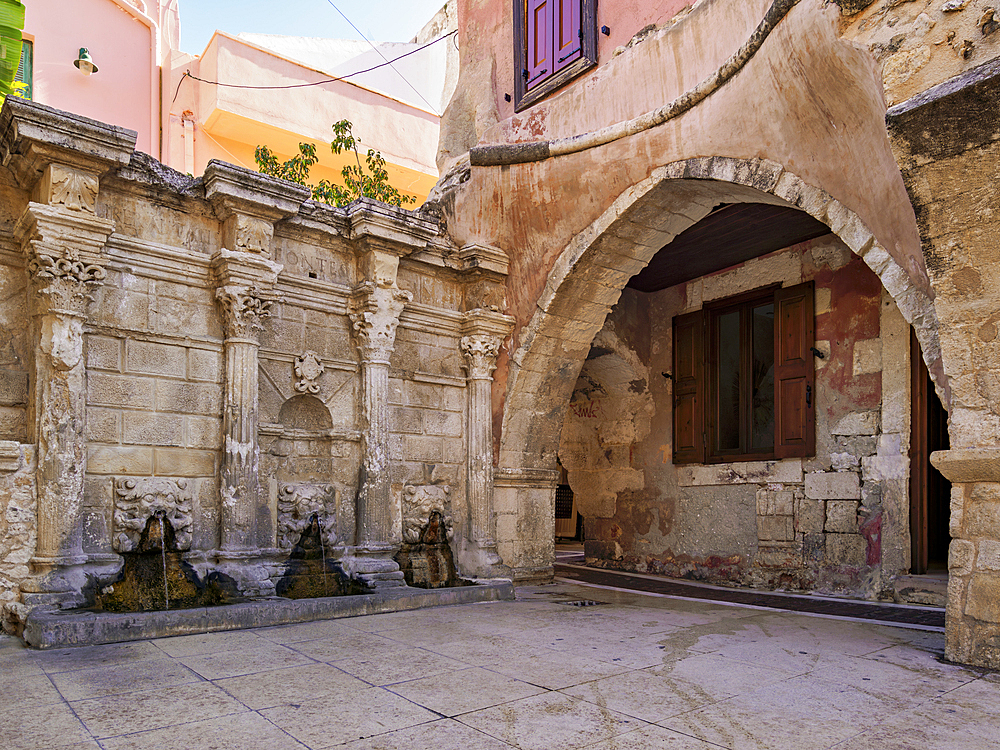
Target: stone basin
<point x="51" y="627"/>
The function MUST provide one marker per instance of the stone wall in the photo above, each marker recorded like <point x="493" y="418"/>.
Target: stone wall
<point x="838" y="521"/>
<point x="920" y="43"/>
<point x="947" y="142"/>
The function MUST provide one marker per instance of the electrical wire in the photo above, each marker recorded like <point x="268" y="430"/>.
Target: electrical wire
<point x="377" y="50"/>
<point x="187" y="73"/>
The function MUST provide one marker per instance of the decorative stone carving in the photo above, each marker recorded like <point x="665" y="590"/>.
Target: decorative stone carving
<point x="308" y="367"/>
<point x="244" y="310"/>
<point x="65" y="280"/>
<point x="248" y="234"/>
<point x="481" y="352"/>
<point x="137" y="498"/>
<point x="419" y="501"/>
<point x="296" y="505"/>
<point x="374" y="312"/>
<point x="64" y="186"/>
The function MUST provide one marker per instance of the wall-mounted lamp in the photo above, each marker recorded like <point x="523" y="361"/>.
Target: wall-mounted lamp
<point x="85" y="62"/>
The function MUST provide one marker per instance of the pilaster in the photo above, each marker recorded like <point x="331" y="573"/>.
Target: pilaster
<point x="63" y="242"/>
<point x="247" y="204"/>
<point x="483" y="333"/>
<point x="973" y="609"/>
<point x="374" y="310"/>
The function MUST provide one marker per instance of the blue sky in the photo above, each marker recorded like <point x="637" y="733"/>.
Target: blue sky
<point x="379" y="20"/>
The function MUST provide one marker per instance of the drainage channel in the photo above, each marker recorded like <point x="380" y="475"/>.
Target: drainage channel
<point x="924" y="617"/>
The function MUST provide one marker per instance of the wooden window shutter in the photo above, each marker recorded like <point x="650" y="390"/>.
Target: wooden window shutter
<point x="538" y="62"/>
<point x="794" y="372"/>
<point x="689" y="388"/>
<point x="568" y="33"/>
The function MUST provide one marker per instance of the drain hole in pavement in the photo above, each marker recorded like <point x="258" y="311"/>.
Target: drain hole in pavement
<point x="582" y="603"/>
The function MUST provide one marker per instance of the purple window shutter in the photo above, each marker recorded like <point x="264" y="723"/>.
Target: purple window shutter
<point x="568" y="41"/>
<point x="539" y="41"/>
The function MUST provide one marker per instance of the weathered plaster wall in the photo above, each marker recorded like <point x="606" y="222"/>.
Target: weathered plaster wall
<point x="838" y="521"/>
<point x="816" y="109"/>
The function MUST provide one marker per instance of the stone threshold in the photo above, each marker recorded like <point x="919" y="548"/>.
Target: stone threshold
<point x="50" y="627"/>
<point x="886" y="613"/>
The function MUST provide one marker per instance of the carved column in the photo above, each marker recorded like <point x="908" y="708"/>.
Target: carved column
<point x="63" y="242"/>
<point x="374" y="312"/>
<point x="245" y="296"/>
<point x="484" y="333"/>
<point x="247" y="204"/>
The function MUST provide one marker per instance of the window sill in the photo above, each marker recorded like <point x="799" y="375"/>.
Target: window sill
<point x="786" y="471"/>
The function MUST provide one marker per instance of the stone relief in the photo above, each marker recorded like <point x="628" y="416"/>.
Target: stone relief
<point x="137" y="498"/>
<point x="419" y="501"/>
<point x="296" y="505"/>
<point x="65" y="280"/>
<point x="308" y="367"/>
<point x="250" y="235"/>
<point x="73" y="189"/>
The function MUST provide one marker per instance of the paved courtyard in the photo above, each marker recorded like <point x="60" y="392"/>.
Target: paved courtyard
<point x="635" y="672"/>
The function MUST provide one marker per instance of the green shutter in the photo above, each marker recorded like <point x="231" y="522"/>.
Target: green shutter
<point x="25" y="69"/>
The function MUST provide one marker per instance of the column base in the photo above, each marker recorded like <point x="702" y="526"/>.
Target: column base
<point x="64" y="581"/>
<point x="481" y="560"/>
<point x="252" y="575"/>
<point x="373" y="564"/>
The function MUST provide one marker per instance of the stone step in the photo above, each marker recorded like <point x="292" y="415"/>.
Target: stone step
<point x="928" y="590"/>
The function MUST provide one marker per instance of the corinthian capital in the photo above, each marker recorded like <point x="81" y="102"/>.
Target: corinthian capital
<point x="374" y="312"/>
<point x="481" y="352"/>
<point x="483" y="333"/>
<point x="64" y="251"/>
<point x="66" y="281"/>
<point x="244" y="310"/>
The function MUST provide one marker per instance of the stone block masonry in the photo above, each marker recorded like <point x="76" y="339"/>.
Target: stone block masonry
<point x="213" y="367"/>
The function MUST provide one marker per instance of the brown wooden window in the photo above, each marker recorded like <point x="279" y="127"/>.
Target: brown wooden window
<point x="554" y="42"/>
<point x="744" y="378"/>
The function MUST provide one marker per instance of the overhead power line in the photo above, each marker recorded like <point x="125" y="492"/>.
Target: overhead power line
<point x="187" y="73"/>
<point x="377" y="50"/>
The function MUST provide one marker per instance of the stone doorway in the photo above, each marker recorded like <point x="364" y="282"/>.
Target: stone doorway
<point x="930" y="492"/>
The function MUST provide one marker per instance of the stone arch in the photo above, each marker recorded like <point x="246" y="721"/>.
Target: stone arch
<point x="587" y="280"/>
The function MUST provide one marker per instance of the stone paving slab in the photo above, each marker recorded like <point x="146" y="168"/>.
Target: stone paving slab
<point x="499" y="675"/>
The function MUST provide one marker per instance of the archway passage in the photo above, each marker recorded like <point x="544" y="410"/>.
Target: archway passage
<point x="731" y="234"/>
<point x="588" y="281"/>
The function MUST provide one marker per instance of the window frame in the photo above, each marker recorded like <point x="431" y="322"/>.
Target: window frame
<point x="744" y="303"/>
<point x="523" y="97"/>
<point x="696" y="392"/>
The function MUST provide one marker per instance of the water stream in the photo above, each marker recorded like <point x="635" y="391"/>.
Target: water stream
<point x="163" y="556"/>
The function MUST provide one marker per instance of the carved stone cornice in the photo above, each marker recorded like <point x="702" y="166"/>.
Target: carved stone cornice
<point x="33" y="136"/>
<point x="389" y="228"/>
<point x="374" y="312"/>
<point x="236" y="190"/>
<point x="484" y="259"/>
